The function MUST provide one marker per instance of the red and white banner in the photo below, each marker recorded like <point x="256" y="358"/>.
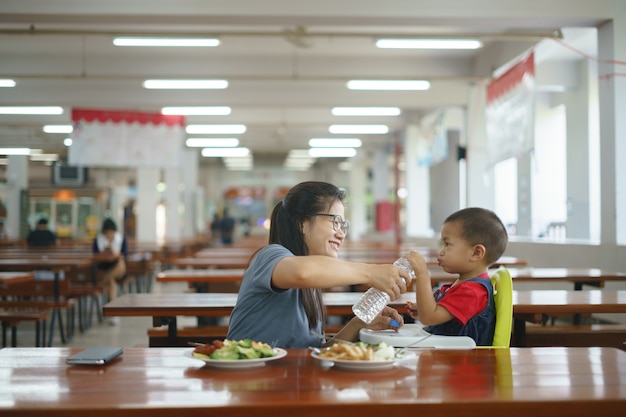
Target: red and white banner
<point x="510" y="112"/>
<point x="106" y="138"/>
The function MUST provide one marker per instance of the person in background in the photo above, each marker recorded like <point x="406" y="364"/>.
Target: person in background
<point x="280" y="300"/>
<point x="110" y="241"/>
<point x="472" y="240"/>
<point x="3" y="231"/>
<point x="214" y="228"/>
<point x="41" y="236"/>
<point x="227" y="228"/>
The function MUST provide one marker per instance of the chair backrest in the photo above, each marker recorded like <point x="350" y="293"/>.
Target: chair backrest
<point x="503" y="298"/>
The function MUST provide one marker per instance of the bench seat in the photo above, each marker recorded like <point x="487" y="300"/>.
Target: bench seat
<point x="11" y="318"/>
<point x="200" y="334"/>
<point x="582" y="335"/>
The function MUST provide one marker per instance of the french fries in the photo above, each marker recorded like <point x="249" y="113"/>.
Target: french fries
<point x="348" y="351"/>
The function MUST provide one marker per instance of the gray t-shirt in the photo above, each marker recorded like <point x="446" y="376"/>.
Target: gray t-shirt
<point x="267" y="314"/>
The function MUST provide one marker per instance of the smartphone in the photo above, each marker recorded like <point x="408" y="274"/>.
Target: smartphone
<point x="94" y="356"/>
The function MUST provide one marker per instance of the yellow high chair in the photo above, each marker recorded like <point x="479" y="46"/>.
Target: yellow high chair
<point x="503" y="298"/>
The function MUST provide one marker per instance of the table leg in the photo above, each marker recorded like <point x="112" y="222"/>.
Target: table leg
<point x="519" y="332"/>
<point x="172" y="332"/>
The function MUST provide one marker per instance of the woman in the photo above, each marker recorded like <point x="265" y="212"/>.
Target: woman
<point x="110" y="241"/>
<point x="280" y="299"/>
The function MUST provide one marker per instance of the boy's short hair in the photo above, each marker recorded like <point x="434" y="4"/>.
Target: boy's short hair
<point x="482" y="226"/>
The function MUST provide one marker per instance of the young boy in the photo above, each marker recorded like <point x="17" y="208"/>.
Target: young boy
<point x="472" y="239"/>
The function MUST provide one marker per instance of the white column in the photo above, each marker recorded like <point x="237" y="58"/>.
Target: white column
<point x="189" y="172"/>
<point x="417" y="209"/>
<point x="612" y="93"/>
<point x="356" y="198"/>
<point x="17" y="181"/>
<point x="147" y="201"/>
<point x="174" y="204"/>
<point x="479" y="181"/>
<point x="380" y="167"/>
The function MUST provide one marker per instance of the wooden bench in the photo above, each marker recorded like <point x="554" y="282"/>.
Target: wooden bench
<point x="201" y="334"/>
<point x="582" y="335"/>
<point x="11" y="318"/>
<point x="52" y="295"/>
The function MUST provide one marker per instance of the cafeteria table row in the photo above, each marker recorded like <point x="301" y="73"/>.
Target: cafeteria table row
<point x="519" y="382"/>
<point x="594" y="277"/>
<point x="233" y="261"/>
<point x="528" y="306"/>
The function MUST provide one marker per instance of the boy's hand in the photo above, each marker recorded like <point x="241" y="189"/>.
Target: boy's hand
<point x="411" y="309"/>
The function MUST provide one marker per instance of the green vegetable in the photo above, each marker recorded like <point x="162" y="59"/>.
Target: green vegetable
<point x="225" y="354"/>
<point x="243" y="349"/>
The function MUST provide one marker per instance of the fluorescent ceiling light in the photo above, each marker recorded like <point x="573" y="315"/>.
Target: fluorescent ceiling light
<point x="184" y="42"/>
<point x="239" y="164"/>
<point x="300" y="162"/>
<point x="14" y="151"/>
<point x="225" y="152"/>
<point x="212" y="142"/>
<point x="216" y="129"/>
<point x="5" y="82"/>
<point x="242" y="160"/>
<point x="58" y="128"/>
<point x="365" y="111"/>
<point x="298" y="153"/>
<point x="332" y="152"/>
<point x="197" y="111"/>
<point x="68" y="141"/>
<point x="429" y="43"/>
<point x="186" y="84"/>
<point x="359" y="129"/>
<point x="44" y="157"/>
<point x="388" y="85"/>
<point x="43" y="110"/>
<point x="335" y="143"/>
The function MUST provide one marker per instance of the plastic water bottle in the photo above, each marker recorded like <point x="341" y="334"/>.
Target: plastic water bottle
<point x="373" y="301"/>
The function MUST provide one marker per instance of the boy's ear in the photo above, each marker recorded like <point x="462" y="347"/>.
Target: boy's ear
<point x="479" y="251"/>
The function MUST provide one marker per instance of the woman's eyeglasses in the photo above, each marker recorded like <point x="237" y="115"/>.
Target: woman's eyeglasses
<point x="338" y="222"/>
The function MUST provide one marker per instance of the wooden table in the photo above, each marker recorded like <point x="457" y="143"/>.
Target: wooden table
<point x="579" y="276"/>
<point x="374" y="258"/>
<point x="201" y="275"/>
<point x="224" y="252"/>
<point x="527" y="306"/>
<point x="540" y="382"/>
<point x="44" y="263"/>
<point x="222" y="262"/>
<point x="10" y="278"/>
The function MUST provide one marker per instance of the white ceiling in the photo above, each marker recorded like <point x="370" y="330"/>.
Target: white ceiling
<point x="60" y="53"/>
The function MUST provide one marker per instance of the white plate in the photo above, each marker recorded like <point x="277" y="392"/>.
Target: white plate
<point x="242" y="363"/>
<point x="356" y="365"/>
<point x="414" y="335"/>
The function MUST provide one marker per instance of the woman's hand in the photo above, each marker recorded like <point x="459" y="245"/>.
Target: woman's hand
<point x="383" y="320"/>
<point x="390" y="279"/>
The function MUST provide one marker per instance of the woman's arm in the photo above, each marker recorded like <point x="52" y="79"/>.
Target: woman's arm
<point x="327" y="272"/>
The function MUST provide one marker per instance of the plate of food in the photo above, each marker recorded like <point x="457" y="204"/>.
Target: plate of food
<point x="237" y="354"/>
<point x="361" y="356"/>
